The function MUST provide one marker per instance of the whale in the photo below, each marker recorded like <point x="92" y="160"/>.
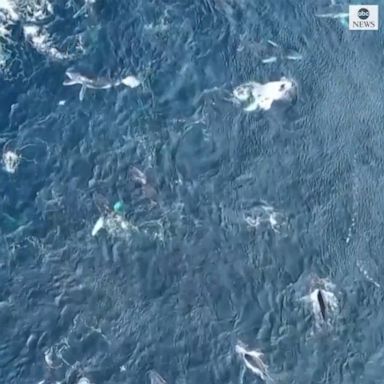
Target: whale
<point x="76" y="78"/>
<point x="262" y="96"/>
<point x="323" y="301"/>
<point x="252" y="360"/>
<point x="320" y="299"/>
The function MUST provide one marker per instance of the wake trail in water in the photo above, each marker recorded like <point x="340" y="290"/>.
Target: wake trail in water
<point x="361" y="262"/>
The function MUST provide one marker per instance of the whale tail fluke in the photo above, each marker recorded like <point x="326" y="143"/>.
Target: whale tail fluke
<point x="67" y="82"/>
<point x="72" y="78"/>
<point x="131" y="81"/>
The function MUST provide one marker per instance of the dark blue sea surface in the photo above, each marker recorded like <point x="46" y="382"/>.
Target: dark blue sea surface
<point x="176" y="294"/>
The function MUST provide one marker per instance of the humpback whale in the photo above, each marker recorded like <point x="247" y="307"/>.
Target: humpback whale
<point x="321" y="303"/>
<point x="252" y="360"/>
<point x="76" y="78"/>
<point x="262" y="96"/>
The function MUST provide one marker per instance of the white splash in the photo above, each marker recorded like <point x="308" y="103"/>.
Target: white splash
<point x="50" y="358"/>
<point x="30" y="11"/>
<point x="261" y="96"/>
<point x="11" y="161"/>
<point x="266" y="214"/>
<point x="41" y="41"/>
<point x="36" y="10"/>
<point x="83" y="380"/>
<point x="4" y="31"/>
<point x="35" y="16"/>
<point x="9" y="8"/>
<point x="115" y="224"/>
<point x="8" y="16"/>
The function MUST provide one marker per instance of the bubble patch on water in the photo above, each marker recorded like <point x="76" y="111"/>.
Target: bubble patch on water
<point x="265" y="215"/>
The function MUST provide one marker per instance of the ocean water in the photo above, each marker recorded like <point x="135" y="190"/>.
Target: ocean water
<point x="177" y="293"/>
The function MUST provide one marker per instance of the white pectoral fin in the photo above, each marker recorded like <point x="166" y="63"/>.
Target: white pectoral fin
<point x="82" y="92"/>
<point x="99" y="225"/>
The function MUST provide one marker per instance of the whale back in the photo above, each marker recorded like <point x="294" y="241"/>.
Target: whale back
<point x="321" y="303"/>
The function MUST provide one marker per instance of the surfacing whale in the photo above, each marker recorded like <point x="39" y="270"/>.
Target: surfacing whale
<point x="262" y="96"/>
<point x="320" y="299"/>
<point x="74" y="78"/>
<point x="252" y="360"/>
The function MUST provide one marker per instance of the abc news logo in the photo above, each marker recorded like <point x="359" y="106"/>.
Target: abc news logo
<point x="363" y="14"/>
<point x="364" y="17"/>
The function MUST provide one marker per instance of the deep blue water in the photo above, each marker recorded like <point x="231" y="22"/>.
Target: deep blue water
<point x="177" y="295"/>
